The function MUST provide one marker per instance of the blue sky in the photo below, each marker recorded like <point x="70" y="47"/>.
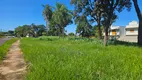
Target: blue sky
<point x="19" y="12"/>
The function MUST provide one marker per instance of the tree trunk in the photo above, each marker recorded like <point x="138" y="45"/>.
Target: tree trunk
<point x="139" y="14"/>
<point x="106" y="37"/>
<point x="99" y="31"/>
<point x="140" y="33"/>
<point x="47" y="25"/>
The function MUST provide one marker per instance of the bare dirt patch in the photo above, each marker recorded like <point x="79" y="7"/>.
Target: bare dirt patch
<point x="13" y="67"/>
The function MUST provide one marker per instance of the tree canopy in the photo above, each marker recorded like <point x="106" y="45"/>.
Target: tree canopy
<point x="61" y="17"/>
<point x="30" y="30"/>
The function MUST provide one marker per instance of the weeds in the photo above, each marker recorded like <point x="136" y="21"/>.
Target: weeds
<point x="65" y="59"/>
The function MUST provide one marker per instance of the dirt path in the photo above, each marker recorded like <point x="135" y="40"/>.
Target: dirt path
<point x="13" y="66"/>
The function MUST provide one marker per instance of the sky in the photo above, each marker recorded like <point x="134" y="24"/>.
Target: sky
<point x="19" y="12"/>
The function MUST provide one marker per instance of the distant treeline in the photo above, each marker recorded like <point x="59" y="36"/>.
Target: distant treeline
<point x="30" y="30"/>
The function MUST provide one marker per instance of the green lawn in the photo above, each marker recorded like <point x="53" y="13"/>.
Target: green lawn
<point x="80" y="59"/>
<point x="4" y="48"/>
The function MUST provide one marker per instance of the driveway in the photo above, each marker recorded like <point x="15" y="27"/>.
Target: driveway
<point x="2" y="40"/>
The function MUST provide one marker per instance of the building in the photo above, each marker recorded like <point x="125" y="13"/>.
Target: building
<point x="117" y="31"/>
<point x="132" y="29"/>
<point x="128" y="33"/>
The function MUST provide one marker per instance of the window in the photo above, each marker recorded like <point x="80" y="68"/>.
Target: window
<point x="131" y="30"/>
<point x="113" y="32"/>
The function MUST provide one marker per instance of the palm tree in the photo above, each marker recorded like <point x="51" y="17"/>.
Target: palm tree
<point x="47" y="13"/>
<point x="139" y="14"/>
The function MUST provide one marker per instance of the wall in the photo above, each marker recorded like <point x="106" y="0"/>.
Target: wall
<point x="122" y="31"/>
<point x="129" y="32"/>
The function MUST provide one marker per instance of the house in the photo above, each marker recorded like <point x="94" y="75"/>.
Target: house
<point x="117" y="31"/>
<point x="128" y="33"/>
<point x="132" y="29"/>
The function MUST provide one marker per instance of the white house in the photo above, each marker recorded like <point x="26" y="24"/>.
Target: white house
<point x="128" y="33"/>
<point x="117" y="31"/>
<point x="132" y="29"/>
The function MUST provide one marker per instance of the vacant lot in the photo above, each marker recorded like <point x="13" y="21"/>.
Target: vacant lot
<point x="80" y="59"/>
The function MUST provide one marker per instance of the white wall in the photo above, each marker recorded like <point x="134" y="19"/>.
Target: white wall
<point x="122" y="31"/>
<point x="128" y="32"/>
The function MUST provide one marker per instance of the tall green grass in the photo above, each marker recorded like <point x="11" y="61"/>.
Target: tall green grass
<point x="4" y="48"/>
<point x="65" y="59"/>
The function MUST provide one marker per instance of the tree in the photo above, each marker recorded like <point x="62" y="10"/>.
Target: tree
<point x="11" y="33"/>
<point x="30" y="30"/>
<point x="34" y="29"/>
<point x="96" y="30"/>
<point x="19" y="31"/>
<point x="83" y="26"/>
<point x="61" y="18"/>
<point x="37" y="30"/>
<point x="54" y="29"/>
<point x="41" y="30"/>
<point x="101" y="10"/>
<point x="139" y="14"/>
<point x="90" y="9"/>
<point x="109" y="8"/>
<point x="26" y="30"/>
<point x="47" y="13"/>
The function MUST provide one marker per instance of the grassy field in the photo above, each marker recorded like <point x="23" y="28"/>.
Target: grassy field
<point x="80" y="59"/>
<point x="4" y="48"/>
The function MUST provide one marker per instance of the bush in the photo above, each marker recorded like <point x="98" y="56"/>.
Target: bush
<point x="71" y="34"/>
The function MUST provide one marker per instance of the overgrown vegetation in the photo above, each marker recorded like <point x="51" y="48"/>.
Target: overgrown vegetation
<point x="4" y="48"/>
<point x="54" y="58"/>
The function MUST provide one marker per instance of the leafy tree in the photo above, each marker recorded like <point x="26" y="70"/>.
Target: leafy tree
<point x="31" y="30"/>
<point x="47" y="13"/>
<point x="53" y="28"/>
<point x="26" y="29"/>
<point x="109" y="8"/>
<point x="90" y="9"/>
<point x="139" y="14"/>
<point x="61" y="18"/>
<point x="41" y="30"/>
<point x="19" y="31"/>
<point x="34" y="29"/>
<point x="96" y="30"/>
<point x="101" y="10"/>
<point x="11" y="33"/>
<point x="83" y="26"/>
